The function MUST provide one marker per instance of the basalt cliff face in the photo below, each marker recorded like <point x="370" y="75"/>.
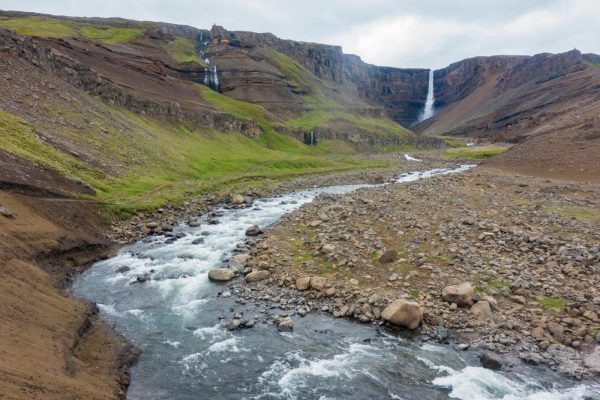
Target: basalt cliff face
<point x="399" y="92"/>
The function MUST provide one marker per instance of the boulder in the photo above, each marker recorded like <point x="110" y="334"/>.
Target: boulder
<point x="389" y="256"/>
<point x="557" y="330"/>
<point x="403" y="313"/>
<point x="221" y="274"/>
<point x="233" y="324"/>
<point x="239" y="262"/>
<point x="257" y="276"/>
<point x="317" y="283"/>
<point x="6" y="212"/>
<point x="286" y="325"/>
<point x="493" y="302"/>
<point x="303" y="283"/>
<point x="122" y="269"/>
<point x="490" y="361"/>
<point x="538" y="332"/>
<point x="481" y="310"/>
<point x="328" y="248"/>
<point x="461" y="294"/>
<point x="254" y="230"/>
<point x="237" y="199"/>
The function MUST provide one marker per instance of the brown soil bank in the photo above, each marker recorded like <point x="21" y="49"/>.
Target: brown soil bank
<point x="52" y="346"/>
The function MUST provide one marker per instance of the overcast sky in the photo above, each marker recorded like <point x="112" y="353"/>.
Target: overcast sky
<point x="384" y="32"/>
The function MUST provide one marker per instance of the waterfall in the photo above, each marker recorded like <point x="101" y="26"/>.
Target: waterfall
<point x="312" y="138"/>
<point x="428" y="111"/>
<point x="211" y="76"/>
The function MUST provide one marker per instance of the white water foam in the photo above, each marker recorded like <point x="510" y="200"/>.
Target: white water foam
<point x="172" y="343"/>
<point x="291" y="373"/>
<point x="477" y="383"/>
<point x="228" y="345"/>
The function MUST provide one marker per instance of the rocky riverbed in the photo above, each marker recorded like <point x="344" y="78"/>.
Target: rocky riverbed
<point x="496" y="262"/>
<point x="162" y="220"/>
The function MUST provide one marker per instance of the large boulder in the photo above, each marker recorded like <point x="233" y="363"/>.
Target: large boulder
<point x="237" y="199"/>
<point x="221" y="274"/>
<point x="403" y="313"/>
<point x="303" y="283"/>
<point x="257" y="276"/>
<point x="254" y="230"/>
<point x="461" y="294"/>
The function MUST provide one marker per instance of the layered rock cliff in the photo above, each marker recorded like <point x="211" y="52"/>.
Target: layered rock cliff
<point x="399" y="92"/>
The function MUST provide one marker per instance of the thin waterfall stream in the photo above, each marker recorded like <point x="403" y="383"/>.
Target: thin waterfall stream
<point x="174" y="317"/>
<point x="211" y="75"/>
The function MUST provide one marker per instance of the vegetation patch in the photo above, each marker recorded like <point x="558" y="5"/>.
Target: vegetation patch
<point x="497" y="284"/>
<point x="453" y="142"/>
<point x="183" y="50"/>
<point x="555" y="303"/>
<point x="327" y="266"/>
<point x="414" y="293"/>
<point x="473" y="153"/>
<point x="580" y="213"/>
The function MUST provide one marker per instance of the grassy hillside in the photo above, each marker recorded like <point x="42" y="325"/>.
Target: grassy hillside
<point x="135" y="161"/>
<point x="153" y="162"/>
<point x="53" y="27"/>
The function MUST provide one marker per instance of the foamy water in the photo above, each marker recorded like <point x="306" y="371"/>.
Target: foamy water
<point x="174" y="317"/>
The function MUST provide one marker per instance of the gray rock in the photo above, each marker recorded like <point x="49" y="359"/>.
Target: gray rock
<point x="254" y="230"/>
<point x="403" y="313"/>
<point x="303" y="283"/>
<point x="389" y="256"/>
<point x="481" y="310"/>
<point x="237" y="199"/>
<point x="6" y="212"/>
<point x="221" y="274"/>
<point x="490" y="361"/>
<point x="461" y="294"/>
<point x="286" y="325"/>
<point x="257" y="276"/>
<point x="233" y="325"/>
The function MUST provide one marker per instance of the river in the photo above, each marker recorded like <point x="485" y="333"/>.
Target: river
<point x="174" y="317"/>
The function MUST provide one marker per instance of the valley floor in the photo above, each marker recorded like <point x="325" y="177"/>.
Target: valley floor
<point x="529" y="247"/>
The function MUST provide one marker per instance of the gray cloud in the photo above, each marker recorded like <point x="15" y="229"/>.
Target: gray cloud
<point x="385" y="32"/>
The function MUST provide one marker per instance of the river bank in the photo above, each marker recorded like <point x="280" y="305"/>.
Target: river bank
<point x="527" y="247"/>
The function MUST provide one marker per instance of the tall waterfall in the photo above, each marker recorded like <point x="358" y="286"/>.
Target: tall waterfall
<point x="211" y="76"/>
<point x="428" y="111"/>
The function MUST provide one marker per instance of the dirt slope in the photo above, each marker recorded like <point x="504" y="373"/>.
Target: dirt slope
<point x="53" y="346"/>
